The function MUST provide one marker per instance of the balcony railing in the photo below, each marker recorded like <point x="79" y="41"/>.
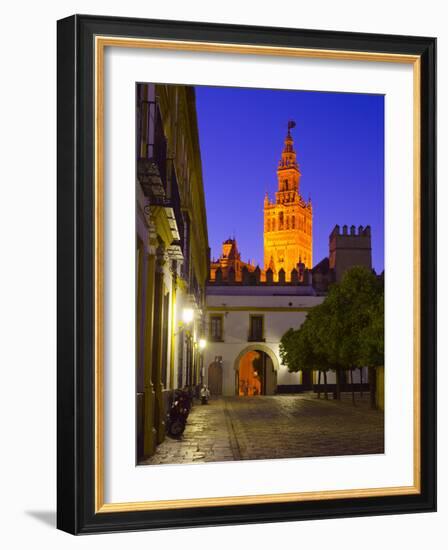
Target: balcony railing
<point x="155" y="171"/>
<point x="152" y="161"/>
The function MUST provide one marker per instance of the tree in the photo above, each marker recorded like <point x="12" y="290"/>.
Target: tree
<point x="324" y="326"/>
<point x="299" y="350"/>
<point x="345" y="332"/>
<point x="354" y="306"/>
<point x="372" y="342"/>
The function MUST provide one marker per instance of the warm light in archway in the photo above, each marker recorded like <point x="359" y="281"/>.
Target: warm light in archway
<point x="250" y="382"/>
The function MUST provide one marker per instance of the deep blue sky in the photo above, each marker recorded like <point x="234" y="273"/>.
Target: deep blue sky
<point x="339" y="140"/>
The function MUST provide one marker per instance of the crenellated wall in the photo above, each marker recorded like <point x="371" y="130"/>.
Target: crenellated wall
<point x="348" y="248"/>
<point x="256" y="276"/>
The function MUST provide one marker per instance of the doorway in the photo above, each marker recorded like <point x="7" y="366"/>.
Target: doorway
<point x="255" y="375"/>
<point x="215" y="378"/>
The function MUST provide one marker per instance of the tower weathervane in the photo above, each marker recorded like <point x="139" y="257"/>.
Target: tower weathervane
<point x="291" y="125"/>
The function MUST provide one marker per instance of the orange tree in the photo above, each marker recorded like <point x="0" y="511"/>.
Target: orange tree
<point x="343" y="333"/>
<point x="300" y="350"/>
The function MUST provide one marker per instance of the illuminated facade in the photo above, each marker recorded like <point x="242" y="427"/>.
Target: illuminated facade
<point x="288" y="222"/>
<point x="245" y="324"/>
<point x="229" y="265"/>
<point x="171" y="255"/>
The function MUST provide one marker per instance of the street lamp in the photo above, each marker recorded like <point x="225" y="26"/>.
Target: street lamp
<point x="202" y="343"/>
<point x="187" y="315"/>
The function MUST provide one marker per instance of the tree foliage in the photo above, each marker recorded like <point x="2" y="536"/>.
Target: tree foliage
<point x="345" y="332"/>
<point x="354" y="309"/>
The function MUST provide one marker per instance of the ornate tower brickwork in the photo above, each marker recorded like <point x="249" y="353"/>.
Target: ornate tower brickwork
<point x="288" y="222"/>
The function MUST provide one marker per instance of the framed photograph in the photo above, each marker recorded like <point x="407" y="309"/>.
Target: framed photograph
<point x="246" y="274"/>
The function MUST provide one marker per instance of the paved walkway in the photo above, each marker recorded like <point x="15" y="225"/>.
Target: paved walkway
<point x="283" y="426"/>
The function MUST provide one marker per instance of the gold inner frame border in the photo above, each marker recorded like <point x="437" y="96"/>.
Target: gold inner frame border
<point x="101" y="42"/>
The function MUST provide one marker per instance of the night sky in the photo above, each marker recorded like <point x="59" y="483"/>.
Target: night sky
<point x="339" y="141"/>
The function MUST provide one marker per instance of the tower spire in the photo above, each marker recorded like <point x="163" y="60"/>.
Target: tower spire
<point x="288" y="172"/>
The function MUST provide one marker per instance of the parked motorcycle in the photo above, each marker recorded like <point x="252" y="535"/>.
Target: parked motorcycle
<point x="178" y="413"/>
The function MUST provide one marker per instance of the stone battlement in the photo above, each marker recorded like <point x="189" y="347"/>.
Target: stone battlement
<point x="349" y="248"/>
<point x="298" y="276"/>
<point x="362" y="231"/>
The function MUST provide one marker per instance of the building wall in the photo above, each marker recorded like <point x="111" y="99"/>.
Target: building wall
<point x="280" y="314"/>
<point x="172" y="253"/>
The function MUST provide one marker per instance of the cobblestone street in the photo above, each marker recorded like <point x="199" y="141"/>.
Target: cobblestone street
<point x="282" y="426"/>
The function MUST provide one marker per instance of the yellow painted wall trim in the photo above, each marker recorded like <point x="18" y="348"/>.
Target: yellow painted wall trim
<point x="182" y="284"/>
<point x="162" y="225"/>
<point x="173" y="335"/>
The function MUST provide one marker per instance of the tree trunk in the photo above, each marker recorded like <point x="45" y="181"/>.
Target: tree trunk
<point x="325" y="382"/>
<point x="360" y="383"/>
<point x="372" y="386"/>
<point x="318" y="384"/>
<point x="338" y="385"/>
<point x="353" y="388"/>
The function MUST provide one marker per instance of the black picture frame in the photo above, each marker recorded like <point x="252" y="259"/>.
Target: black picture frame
<point x="76" y="253"/>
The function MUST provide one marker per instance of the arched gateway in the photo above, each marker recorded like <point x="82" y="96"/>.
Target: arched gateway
<point x="256" y="369"/>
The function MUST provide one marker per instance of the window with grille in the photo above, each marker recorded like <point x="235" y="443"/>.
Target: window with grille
<point x="216" y="332"/>
<point x="256" y="328"/>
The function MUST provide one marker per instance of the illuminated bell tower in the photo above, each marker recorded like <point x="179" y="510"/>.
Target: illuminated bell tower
<point x="288" y="222"/>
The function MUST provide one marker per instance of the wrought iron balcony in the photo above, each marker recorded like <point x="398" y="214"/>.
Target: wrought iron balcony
<point x="150" y="177"/>
<point x="156" y="173"/>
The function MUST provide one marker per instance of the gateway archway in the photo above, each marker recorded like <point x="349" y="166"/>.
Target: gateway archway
<point x="256" y="372"/>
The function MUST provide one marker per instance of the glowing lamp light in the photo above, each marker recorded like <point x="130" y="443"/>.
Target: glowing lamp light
<point x="187" y="315"/>
<point x="202" y="343"/>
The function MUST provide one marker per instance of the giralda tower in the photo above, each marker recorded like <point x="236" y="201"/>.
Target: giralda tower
<point x="288" y="222"/>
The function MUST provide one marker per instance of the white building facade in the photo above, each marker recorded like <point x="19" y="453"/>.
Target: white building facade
<point x="243" y="319"/>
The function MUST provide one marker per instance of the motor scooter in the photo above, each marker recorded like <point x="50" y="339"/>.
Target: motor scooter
<point x="176" y="419"/>
<point x="204" y="395"/>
